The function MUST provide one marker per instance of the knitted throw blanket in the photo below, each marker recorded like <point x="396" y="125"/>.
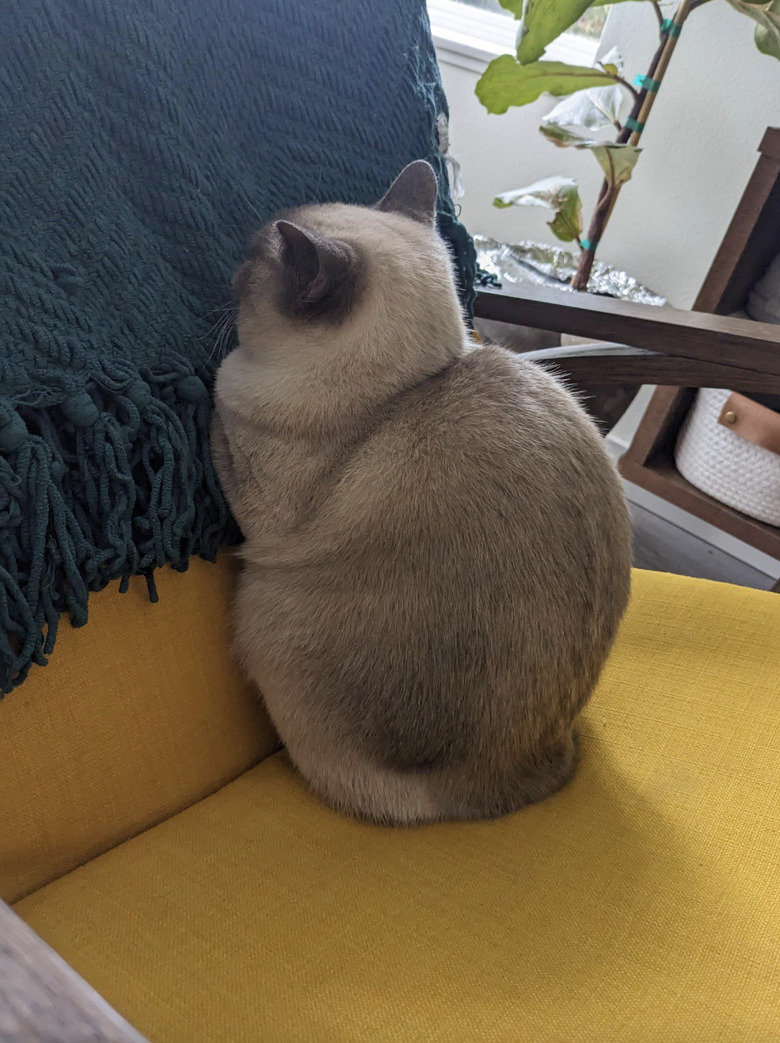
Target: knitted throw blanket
<point x="142" y="142"/>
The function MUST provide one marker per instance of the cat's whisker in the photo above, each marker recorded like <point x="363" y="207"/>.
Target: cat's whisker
<point x="219" y="308"/>
<point x="253" y="208"/>
<point x="222" y="337"/>
<point x="212" y="331"/>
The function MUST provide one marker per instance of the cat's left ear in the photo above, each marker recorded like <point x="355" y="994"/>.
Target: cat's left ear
<point x="413" y="193"/>
<point x="316" y="268"/>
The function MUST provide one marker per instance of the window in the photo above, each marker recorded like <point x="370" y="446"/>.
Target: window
<point x="472" y="32"/>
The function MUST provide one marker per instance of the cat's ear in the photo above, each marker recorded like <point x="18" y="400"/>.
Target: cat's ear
<point x="317" y="269"/>
<point x="413" y="193"/>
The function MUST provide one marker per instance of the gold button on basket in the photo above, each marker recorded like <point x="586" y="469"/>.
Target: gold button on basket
<point x="730" y="416"/>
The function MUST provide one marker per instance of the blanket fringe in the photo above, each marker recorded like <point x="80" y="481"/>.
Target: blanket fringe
<point x="113" y="480"/>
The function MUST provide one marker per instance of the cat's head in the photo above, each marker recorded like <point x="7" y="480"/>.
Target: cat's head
<point x="335" y="274"/>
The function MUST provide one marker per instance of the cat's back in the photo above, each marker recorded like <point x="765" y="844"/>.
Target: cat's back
<point x="476" y="566"/>
<point x="490" y="440"/>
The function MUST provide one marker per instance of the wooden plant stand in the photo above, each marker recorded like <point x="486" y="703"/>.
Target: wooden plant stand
<point x="750" y="244"/>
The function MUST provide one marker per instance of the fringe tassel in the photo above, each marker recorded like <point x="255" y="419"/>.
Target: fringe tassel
<point x="116" y="480"/>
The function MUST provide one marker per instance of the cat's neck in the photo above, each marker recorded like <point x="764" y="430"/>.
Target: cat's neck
<point x="332" y="383"/>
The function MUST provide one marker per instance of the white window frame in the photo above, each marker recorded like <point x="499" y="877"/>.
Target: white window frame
<point x="470" y="37"/>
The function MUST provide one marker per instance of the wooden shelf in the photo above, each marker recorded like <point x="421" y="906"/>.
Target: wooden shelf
<point x="750" y="244"/>
<point x="663" y="479"/>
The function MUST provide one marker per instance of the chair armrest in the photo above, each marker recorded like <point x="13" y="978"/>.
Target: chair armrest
<point x="607" y="364"/>
<point x="693" y="336"/>
<point x="43" y="999"/>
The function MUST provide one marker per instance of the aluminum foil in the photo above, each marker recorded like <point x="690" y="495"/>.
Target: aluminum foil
<point x="545" y="265"/>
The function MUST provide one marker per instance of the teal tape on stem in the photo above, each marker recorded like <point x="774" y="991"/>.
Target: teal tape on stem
<point x="588" y="244"/>
<point x="647" y="83"/>
<point x="670" y="27"/>
<point x="635" y="125"/>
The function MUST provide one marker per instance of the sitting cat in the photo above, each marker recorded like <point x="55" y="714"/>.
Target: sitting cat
<point x="437" y="548"/>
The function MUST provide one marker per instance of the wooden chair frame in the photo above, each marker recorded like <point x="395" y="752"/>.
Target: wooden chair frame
<point x="665" y="346"/>
<point x="675" y="349"/>
<point x="702" y="354"/>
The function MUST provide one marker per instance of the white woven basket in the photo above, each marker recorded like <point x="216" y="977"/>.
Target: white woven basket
<point x="726" y="466"/>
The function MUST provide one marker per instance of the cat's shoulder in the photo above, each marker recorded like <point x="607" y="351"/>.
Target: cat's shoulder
<point x="491" y="379"/>
<point x="487" y="396"/>
<point x="486" y="366"/>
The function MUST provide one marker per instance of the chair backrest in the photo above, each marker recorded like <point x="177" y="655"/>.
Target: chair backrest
<point x="143" y="144"/>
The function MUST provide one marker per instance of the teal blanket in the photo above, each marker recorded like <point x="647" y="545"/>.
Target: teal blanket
<point x="141" y="144"/>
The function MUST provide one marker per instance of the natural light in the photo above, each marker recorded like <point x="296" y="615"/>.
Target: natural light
<point x="472" y="32"/>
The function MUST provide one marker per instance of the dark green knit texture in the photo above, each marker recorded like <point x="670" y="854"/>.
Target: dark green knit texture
<point x="142" y="143"/>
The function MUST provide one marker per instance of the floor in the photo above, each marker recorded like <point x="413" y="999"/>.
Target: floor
<point x="662" y="546"/>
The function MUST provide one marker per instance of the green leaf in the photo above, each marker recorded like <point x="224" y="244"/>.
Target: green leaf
<point x="592" y="109"/>
<point x="506" y="82"/>
<point x="567" y="226"/>
<point x="767" y="15"/>
<point x="515" y="6"/>
<point x="565" y="138"/>
<point x="617" y="161"/>
<point x="767" y="42"/>
<point x="556" y="193"/>
<point x="595" y="108"/>
<point x="542" y="22"/>
<point x="612" y="62"/>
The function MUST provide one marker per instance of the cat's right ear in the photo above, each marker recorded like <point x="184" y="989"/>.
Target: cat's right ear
<point x="413" y="193"/>
<point x="316" y="269"/>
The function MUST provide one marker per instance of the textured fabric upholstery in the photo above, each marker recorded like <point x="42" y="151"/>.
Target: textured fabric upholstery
<point x="639" y="905"/>
<point x="140" y="714"/>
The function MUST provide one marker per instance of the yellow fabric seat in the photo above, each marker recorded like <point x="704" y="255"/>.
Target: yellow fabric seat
<point x="139" y="714"/>
<point x="642" y="903"/>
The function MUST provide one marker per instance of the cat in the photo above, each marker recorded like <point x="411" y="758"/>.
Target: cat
<point x="437" y="548"/>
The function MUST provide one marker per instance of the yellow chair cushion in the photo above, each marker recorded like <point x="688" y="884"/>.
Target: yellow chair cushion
<point x="642" y="903"/>
<point x="139" y="714"/>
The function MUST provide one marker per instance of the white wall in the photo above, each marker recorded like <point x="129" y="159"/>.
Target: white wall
<point x="700" y="147"/>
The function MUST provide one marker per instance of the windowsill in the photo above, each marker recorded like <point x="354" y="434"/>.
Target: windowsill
<point x="469" y="37"/>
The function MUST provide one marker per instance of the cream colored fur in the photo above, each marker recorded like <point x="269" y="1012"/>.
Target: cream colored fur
<point x="437" y="549"/>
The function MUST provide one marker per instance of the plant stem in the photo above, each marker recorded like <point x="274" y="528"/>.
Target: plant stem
<point x="640" y="112"/>
<point x="627" y="85"/>
<point x="660" y="70"/>
<point x="658" y="13"/>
